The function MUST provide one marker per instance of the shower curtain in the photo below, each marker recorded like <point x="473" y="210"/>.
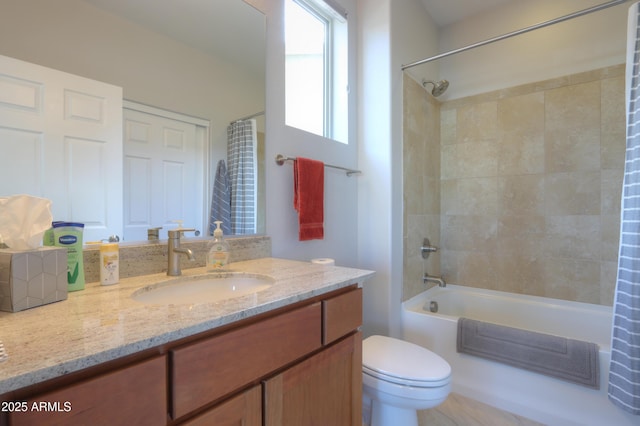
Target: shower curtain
<point x="624" y="374"/>
<point x="242" y="169"/>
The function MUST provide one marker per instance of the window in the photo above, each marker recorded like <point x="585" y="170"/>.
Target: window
<point x="316" y="80"/>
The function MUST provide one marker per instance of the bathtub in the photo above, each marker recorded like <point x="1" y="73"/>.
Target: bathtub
<point x="544" y="399"/>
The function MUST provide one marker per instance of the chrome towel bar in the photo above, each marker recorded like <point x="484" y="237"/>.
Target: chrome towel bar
<point x="280" y="160"/>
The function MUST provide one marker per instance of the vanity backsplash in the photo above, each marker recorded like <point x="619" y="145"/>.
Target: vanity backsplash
<point x="151" y="257"/>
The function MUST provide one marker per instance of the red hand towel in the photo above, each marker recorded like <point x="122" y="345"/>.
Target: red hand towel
<point x="308" y="198"/>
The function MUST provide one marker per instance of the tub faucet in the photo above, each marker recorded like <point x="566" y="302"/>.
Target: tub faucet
<point x="175" y="250"/>
<point x="432" y="279"/>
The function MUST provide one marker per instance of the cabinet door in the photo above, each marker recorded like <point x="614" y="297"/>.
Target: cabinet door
<point x="244" y="409"/>
<point x="213" y="368"/>
<point x="325" y="389"/>
<point x="135" y="395"/>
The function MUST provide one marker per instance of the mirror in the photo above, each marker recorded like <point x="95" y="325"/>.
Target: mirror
<point x="199" y="58"/>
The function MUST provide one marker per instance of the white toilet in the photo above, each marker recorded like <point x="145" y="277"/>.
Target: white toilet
<point x="400" y="378"/>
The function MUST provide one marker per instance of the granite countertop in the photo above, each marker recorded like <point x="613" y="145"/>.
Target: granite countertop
<point x="102" y="323"/>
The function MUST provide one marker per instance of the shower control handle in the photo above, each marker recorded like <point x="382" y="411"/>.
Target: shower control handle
<point x="427" y="248"/>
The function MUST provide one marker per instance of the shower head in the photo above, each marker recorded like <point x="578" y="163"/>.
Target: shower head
<point x="439" y="87"/>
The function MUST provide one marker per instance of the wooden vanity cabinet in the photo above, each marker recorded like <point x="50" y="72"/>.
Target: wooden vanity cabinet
<point x="325" y="389"/>
<point x="300" y="365"/>
<point x="133" y="395"/>
<point x="309" y="361"/>
<point x="341" y="315"/>
<point x="212" y="368"/>
<point x="244" y="409"/>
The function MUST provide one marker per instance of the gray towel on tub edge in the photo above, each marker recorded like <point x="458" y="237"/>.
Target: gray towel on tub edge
<point x="567" y="359"/>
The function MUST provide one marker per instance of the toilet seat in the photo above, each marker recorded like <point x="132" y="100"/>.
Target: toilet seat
<point x="403" y="363"/>
<point x="406" y="382"/>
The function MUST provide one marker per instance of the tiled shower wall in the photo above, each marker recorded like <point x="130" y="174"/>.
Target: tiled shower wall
<point x="421" y="184"/>
<point x="529" y="186"/>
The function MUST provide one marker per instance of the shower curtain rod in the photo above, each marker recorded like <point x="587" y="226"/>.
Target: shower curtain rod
<point x="517" y="32"/>
<point x="257" y="114"/>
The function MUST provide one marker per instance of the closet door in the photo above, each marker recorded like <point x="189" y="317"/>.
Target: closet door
<point x="164" y="157"/>
<point x="61" y="139"/>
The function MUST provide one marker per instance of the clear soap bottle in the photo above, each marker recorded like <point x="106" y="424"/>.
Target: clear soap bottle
<point x="218" y="256"/>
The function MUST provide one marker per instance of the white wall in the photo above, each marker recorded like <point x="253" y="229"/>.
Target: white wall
<point x="391" y="33"/>
<point x="588" y="42"/>
<point x="374" y="158"/>
<point x="413" y="35"/>
<point x="76" y="37"/>
<point x="341" y="203"/>
<point x="363" y="215"/>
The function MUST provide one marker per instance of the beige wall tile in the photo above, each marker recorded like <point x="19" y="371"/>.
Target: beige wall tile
<point x="611" y="190"/>
<point x="477" y="196"/>
<point x="478" y="267"/>
<point x="572" y="128"/>
<point x="472" y="159"/>
<point x="571" y="279"/>
<point x="521" y="195"/>
<point x="431" y="195"/>
<point x="609" y="237"/>
<point x="448" y="265"/>
<point x="521" y="134"/>
<point x="527" y="197"/>
<point x="421" y="184"/>
<point x="414" y="200"/>
<point x="613" y="143"/>
<point x="574" y="237"/>
<point x="477" y="122"/>
<point x="449" y="196"/>
<point x="572" y="193"/>
<point x="521" y="227"/>
<point x="516" y="272"/>
<point x="468" y="232"/>
<point x="608" y="275"/>
<point x="448" y="127"/>
<point x="449" y="163"/>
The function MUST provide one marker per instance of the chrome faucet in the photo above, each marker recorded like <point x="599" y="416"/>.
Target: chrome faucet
<point x="432" y="279"/>
<point x="175" y="251"/>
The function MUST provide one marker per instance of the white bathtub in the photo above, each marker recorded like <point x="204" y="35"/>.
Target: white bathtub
<point x="535" y="396"/>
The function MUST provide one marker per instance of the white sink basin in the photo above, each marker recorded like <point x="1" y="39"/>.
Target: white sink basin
<point x="202" y="288"/>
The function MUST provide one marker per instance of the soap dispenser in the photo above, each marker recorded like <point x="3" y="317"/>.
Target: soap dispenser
<point x="218" y="256"/>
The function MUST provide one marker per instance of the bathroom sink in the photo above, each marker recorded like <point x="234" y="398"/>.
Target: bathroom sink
<point x="202" y="288"/>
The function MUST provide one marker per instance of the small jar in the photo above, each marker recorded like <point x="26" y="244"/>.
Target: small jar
<point x="109" y="263"/>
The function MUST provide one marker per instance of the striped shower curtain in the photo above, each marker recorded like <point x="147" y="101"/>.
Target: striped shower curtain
<point x="242" y="169"/>
<point x="624" y="374"/>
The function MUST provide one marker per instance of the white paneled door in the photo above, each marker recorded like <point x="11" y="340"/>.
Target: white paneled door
<point x="164" y="158"/>
<point x="61" y="139"/>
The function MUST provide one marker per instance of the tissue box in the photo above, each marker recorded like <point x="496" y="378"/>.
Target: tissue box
<point x="30" y="278"/>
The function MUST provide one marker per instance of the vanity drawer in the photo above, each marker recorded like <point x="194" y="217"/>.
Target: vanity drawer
<point x="207" y="370"/>
<point x="341" y="315"/>
<point x="134" y="395"/>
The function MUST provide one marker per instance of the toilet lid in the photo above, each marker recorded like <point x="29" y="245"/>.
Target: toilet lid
<point x="403" y="362"/>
